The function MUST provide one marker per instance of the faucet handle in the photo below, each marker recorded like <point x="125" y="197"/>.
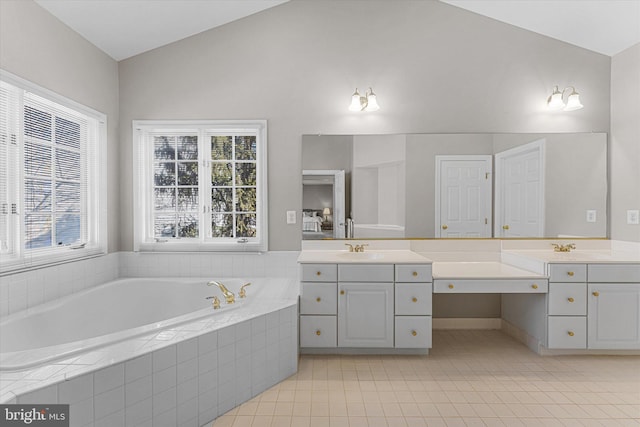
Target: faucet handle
<point x="215" y="302"/>
<point x="242" y="293"/>
<point x="350" y="246"/>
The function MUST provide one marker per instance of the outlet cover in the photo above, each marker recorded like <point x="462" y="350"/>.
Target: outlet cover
<point x="291" y="217"/>
<point x="591" y="215"/>
<point x="633" y="217"/>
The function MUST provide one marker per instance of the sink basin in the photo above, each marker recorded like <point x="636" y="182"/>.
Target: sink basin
<point x="354" y="256"/>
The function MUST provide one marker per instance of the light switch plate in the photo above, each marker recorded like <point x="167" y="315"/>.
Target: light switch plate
<point x="291" y="217"/>
<point x="633" y="217"/>
<point x="591" y="215"/>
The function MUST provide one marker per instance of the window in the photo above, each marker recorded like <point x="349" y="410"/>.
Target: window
<point x="51" y="191"/>
<point x="200" y="185"/>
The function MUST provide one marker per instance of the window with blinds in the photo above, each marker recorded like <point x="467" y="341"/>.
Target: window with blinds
<point x="200" y="185"/>
<point x="49" y="177"/>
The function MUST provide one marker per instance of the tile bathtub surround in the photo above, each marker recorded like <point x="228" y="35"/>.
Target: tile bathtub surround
<point x="20" y="291"/>
<point x="470" y="378"/>
<point x="189" y="383"/>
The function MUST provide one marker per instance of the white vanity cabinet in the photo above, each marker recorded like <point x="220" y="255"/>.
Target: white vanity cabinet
<point x="567" y="306"/>
<point x="614" y="306"/>
<point x="365" y="305"/>
<point x="351" y="306"/>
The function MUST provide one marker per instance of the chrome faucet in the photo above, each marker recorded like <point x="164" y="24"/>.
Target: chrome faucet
<point x="228" y="295"/>
<point x="563" y="248"/>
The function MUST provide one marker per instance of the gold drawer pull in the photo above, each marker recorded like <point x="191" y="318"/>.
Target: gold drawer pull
<point x="414" y="299"/>
<point x="570" y="273"/>
<point x="450" y="285"/>
<point x="318" y="332"/>
<point x="570" y="299"/>
<point x="596" y="294"/>
<point x="570" y="333"/>
<point x="318" y="299"/>
<point x="341" y="292"/>
<point x="318" y="273"/>
<point x="414" y="274"/>
<point x="534" y="286"/>
<point x="505" y="227"/>
<point x="414" y="333"/>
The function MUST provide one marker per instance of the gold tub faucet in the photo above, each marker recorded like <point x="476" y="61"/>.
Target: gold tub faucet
<point x="243" y="293"/>
<point x="228" y="295"/>
<point x="563" y="248"/>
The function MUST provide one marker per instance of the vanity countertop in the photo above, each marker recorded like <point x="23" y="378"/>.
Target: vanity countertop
<point x="578" y="255"/>
<point x="480" y="270"/>
<point x="366" y="257"/>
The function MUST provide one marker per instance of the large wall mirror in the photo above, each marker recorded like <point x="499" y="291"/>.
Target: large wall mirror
<point x="455" y="185"/>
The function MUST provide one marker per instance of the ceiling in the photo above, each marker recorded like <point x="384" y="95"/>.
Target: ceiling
<point x="124" y="28"/>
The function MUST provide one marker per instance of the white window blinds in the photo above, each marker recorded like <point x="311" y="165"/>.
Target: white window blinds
<point x="50" y="180"/>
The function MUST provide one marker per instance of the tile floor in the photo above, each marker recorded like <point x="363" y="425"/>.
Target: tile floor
<point x="471" y="378"/>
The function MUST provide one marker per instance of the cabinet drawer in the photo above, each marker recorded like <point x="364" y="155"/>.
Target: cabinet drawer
<point x="567" y="332"/>
<point x="413" y="332"/>
<point x="614" y="273"/>
<point x="365" y="272"/>
<point x="568" y="273"/>
<point x="319" y="298"/>
<point x="413" y="273"/>
<point x="568" y="299"/>
<point x="413" y="299"/>
<point x="490" y="286"/>
<point x="318" y="331"/>
<point x="319" y="273"/>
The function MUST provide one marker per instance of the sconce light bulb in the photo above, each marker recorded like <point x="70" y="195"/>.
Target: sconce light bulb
<point x="555" y="101"/>
<point x="355" y="102"/>
<point x="573" y="102"/>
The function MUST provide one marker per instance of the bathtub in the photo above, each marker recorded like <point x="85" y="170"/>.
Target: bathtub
<point x="102" y="332"/>
<point x="107" y="314"/>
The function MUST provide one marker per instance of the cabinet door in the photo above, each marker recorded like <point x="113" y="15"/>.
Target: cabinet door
<point x="365" y="314"/>
<point x="614" y="316"/>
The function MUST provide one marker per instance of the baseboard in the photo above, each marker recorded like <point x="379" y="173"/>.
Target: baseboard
<point x="466" y="323"/>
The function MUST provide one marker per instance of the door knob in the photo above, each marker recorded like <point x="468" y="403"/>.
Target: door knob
<point x="444" y="226"/>
<point x="505" y="227"/>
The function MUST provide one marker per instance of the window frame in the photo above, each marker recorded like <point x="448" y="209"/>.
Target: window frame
<point x="95" y="199"/>
<point x="143" y="185"/>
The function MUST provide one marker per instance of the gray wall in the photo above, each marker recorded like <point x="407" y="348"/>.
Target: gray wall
<point x="625" y="142"/>
<point x="434" y="67"/>
<point x="38" y="47"/>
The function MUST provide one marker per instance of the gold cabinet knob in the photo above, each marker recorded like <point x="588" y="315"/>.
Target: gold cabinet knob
<point x="570" y="333"/>
<point x="596" y="294"/>
<point x="534" y="286"/>
<point x="414" y="299"/>
<point x="570" y="273"/>
<point x="318" y="273"/>
<point x="450" y="285"/>
<point x="445" y="226"/>
<point x="318" y="332"/>
<point x="341" y="292"/>
<point x="318" y="299"/>
<point x="414" y="333"/>
<point x="414" y="274"/>
<point x="570" y="299"/>
<point x="505" y="227"/>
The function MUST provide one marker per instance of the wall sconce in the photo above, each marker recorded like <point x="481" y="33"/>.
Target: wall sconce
<point x="368" y="102"/>
<point x="556" y="103"/>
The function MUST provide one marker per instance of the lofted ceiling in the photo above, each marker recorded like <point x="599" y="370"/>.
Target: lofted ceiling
<point x="124" y="28"/>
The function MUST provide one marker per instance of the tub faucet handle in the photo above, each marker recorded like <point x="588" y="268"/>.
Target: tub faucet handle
<point x="242" y="293"/>
<point x="215" y="302"/>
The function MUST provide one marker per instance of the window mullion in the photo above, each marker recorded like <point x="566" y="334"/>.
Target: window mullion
<point x="204" y="185"/>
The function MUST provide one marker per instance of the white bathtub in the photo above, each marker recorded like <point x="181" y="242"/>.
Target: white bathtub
<point x="109" y="313"/>
<point x="87" y="348"/>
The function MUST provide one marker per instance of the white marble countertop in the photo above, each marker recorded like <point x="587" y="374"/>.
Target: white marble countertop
<point x="367" y="257"/>
<point x="577" y="255"/>
<point x="480" y="270"/>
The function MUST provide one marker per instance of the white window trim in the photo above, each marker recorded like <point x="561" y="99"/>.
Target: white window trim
<point x="97" y="189"/>
<point x="142" y="193"/>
